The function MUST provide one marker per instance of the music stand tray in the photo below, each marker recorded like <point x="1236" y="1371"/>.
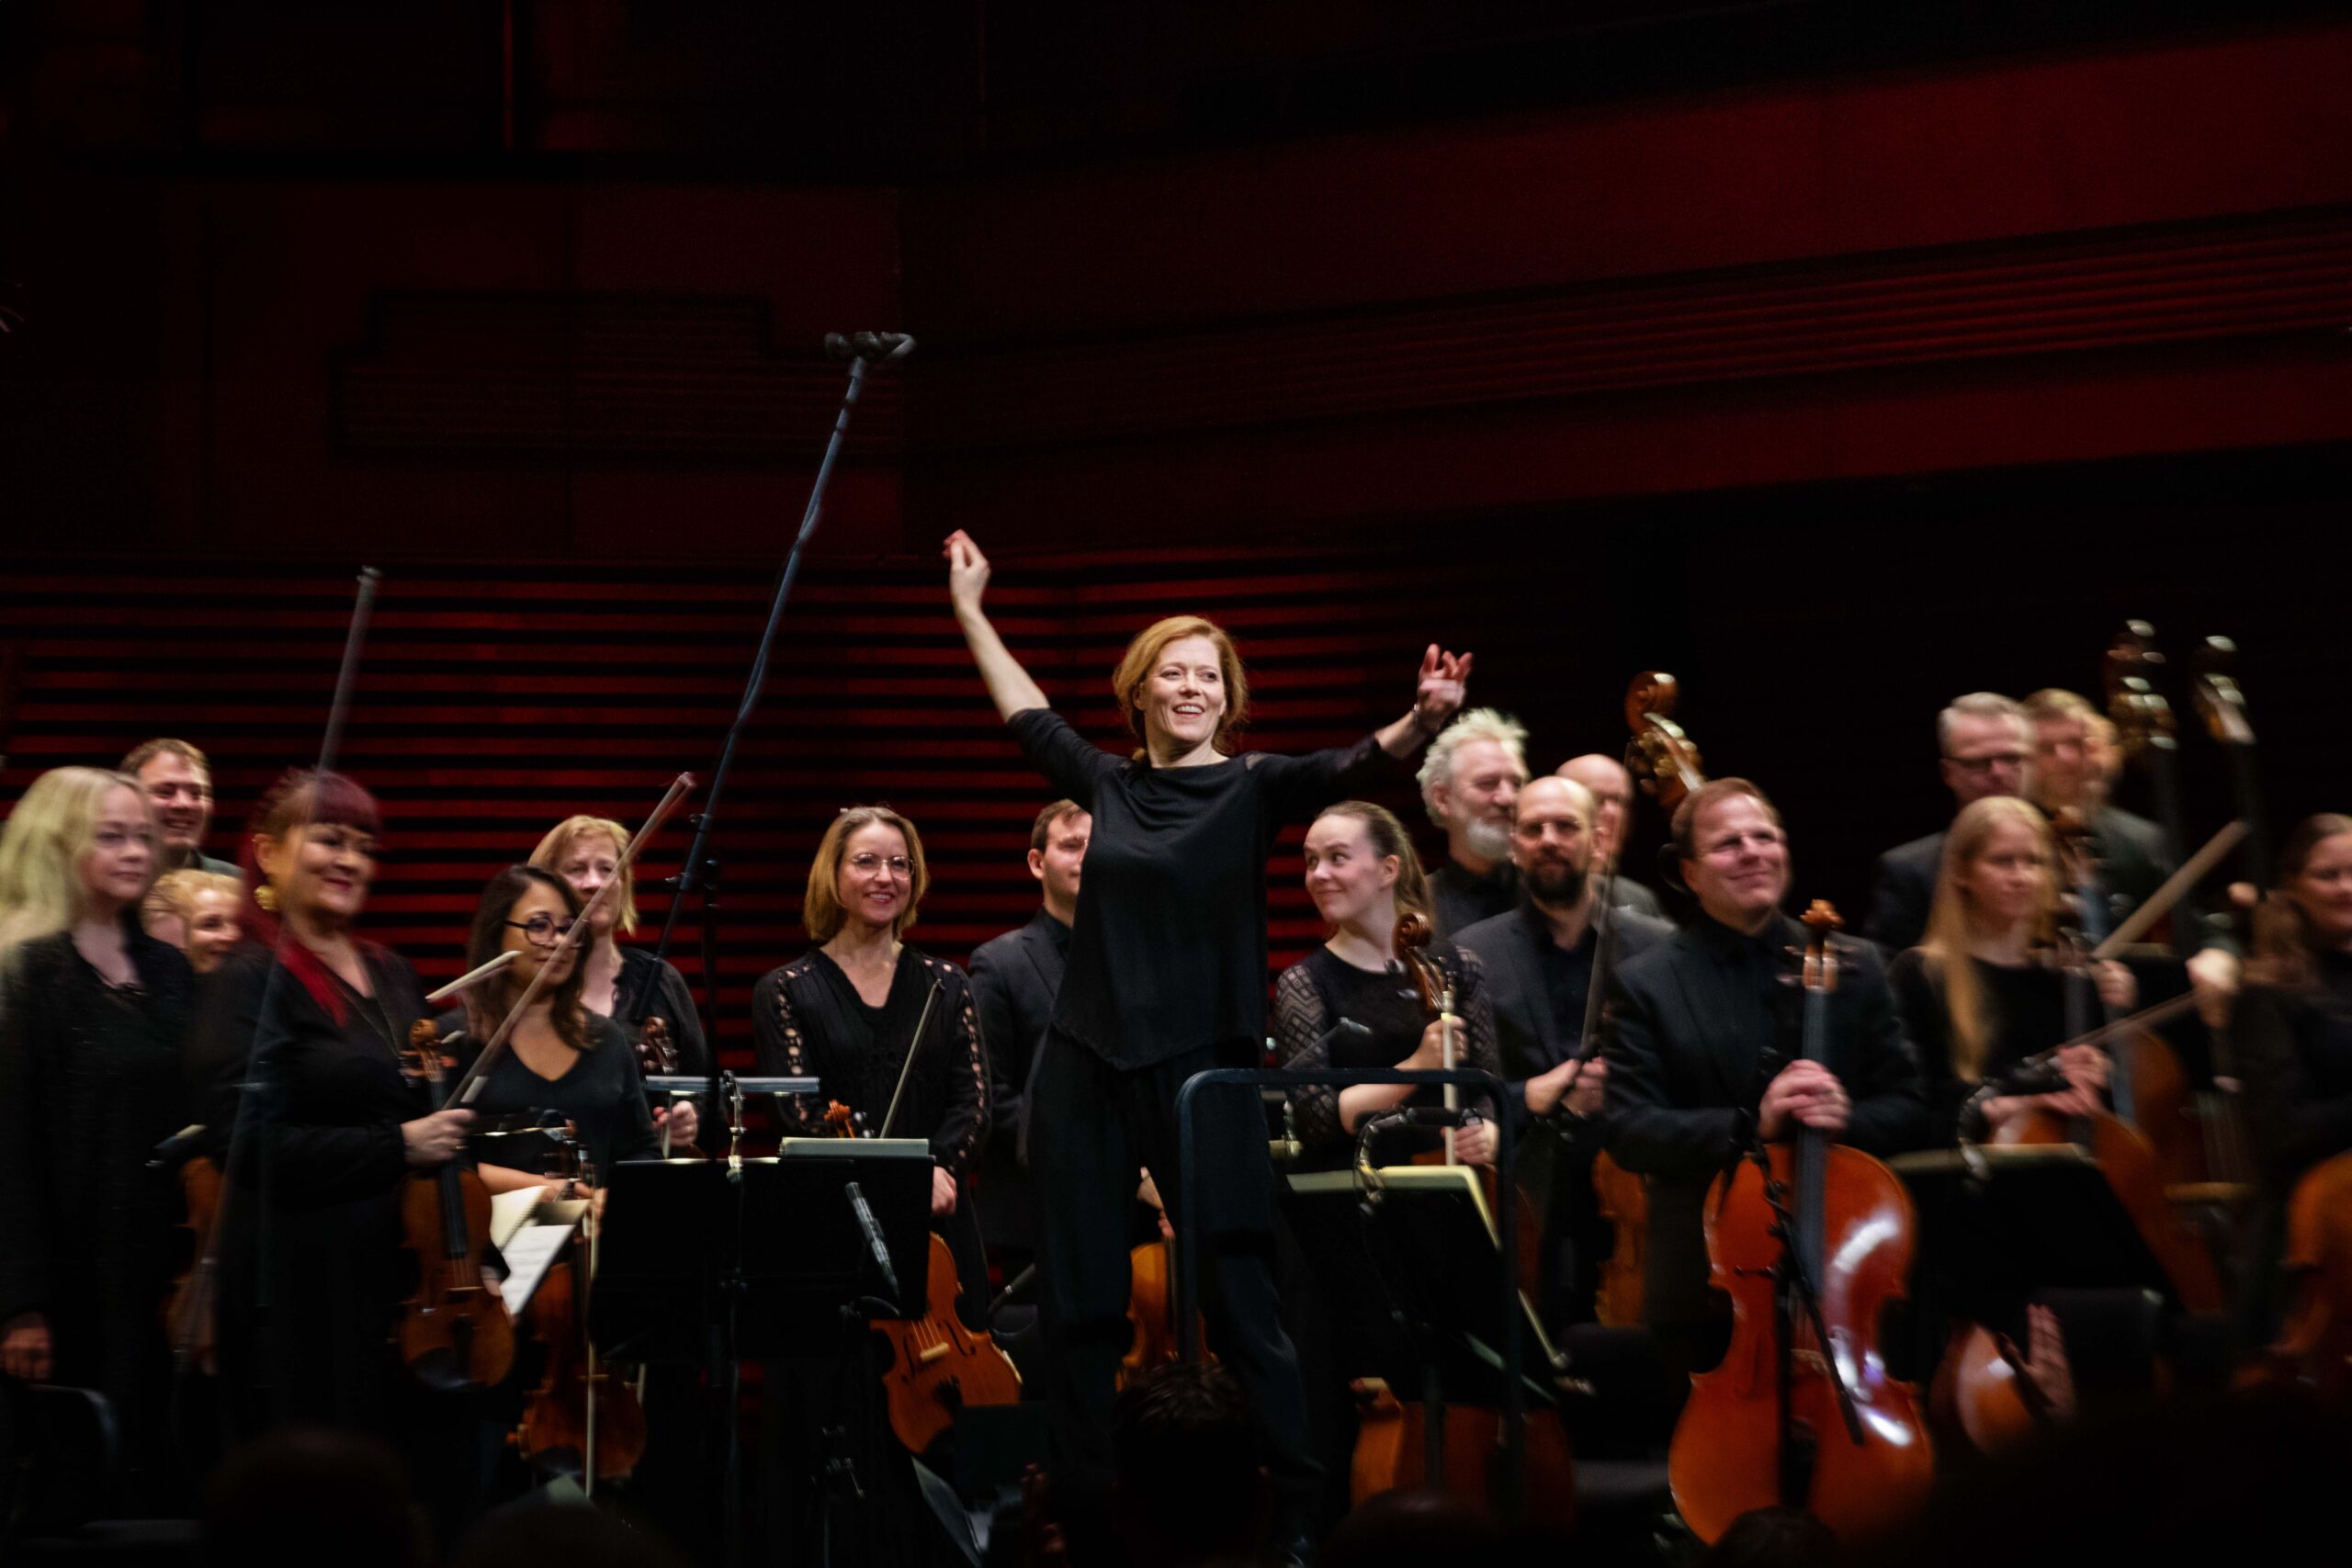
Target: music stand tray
<point x="684" y="1239"/>
<point x="1434" y="1221"/>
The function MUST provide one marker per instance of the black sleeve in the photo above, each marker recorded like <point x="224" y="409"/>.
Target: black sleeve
<point x="1477" y="1011"/>
<point x="1926" y="1023"/>
<point x="1891" y="918"/>
<point x="781" y="1051"/>
<point x="26" y="1244"/>
<point x="1890" y="1108"/>
<point x="1071" y="763"/>
<point x="2293" y="1127"/>
<point x="1296" y="787"/>
<point x="677" y="1003"/>
<point x="1299" y="1022"/>
<point x="1646" y="1131"/>
<point x="999" y="1034"/>
<point x="326" y="1164"/>
<point x="634" y="1136"/>
<point x="955" y="1144"/>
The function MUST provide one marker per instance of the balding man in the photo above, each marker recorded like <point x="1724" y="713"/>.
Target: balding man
<point x="1986" y="747"/>
<point x="1612" y="794"/>
<point x="1539" y="960"/>
<point x="1469" y="781"/>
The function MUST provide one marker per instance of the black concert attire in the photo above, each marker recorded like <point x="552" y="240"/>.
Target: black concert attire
<point x="1014" y="977"/>
<point x="1167" y="977"/>
<point x="1314" y="994"/>
<point x="1902" y="890"/>
<point x="1460" y="897"/>
<point x="1697" y="1027"/>
<point x="91" y="1081"/>
<point x="2025" y="1012"/>
<point x="2294" y="1046"/>
<point x="647" y="987"/>
<point x="313" y="1269"/>
<point x="1627" y="893"/>
<point x="808" y="1020"/>
<point x="1539" y="990"/>
<point x="600" y="1093"/>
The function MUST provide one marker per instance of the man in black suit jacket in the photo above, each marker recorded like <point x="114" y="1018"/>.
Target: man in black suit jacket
<point x="1703" y="1049"/>
<point x="1014" y="978"/>
<point x="2130" y="857"/>
<point x="1539" y="960"/>
<point x="1987" y="746"/>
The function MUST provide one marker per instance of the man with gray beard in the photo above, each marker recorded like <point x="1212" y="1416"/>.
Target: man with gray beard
<point x="1470" y="783"/>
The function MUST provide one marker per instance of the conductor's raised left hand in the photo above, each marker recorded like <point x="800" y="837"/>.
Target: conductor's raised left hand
<point x="1444" y="685"/>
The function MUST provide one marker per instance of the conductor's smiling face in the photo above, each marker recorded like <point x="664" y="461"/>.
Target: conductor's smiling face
<point x="1184" y="699"/>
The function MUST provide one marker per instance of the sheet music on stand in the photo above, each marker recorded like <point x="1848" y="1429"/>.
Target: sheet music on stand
<point x="531" y="1231"/>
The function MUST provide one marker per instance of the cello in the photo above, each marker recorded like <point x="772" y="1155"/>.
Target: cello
<point x="1802" y="1413"/>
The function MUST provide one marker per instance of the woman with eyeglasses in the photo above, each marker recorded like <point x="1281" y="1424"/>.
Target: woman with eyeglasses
<point x="561" y="1062"/>
<point x="847" y="1014"/>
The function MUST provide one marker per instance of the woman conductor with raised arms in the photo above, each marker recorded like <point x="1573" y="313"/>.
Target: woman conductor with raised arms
<point x="1166" y="979"/>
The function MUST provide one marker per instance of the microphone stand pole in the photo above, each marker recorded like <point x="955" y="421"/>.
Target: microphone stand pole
<point x="864" y="351"/>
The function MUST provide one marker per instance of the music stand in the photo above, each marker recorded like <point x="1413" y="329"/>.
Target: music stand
<point x="1433" y="1225"/>
<point x="2003" y="1224"/>
<point x="723" y="1261"/>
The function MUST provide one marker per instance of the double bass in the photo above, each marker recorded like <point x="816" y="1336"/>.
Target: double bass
<point x="1664" y="760"/>
<point x="1802" y="1412"/>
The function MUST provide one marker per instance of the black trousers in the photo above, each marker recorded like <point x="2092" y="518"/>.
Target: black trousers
<point x="1093" y="1126"/>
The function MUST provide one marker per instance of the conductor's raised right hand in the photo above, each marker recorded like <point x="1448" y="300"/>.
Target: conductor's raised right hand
<point x="436" y="1139"/>
<point x="967" y="572"/>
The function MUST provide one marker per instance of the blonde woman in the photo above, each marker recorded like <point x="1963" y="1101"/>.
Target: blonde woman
<point x="1166" y="976"/>
<point x="93" y="1014"/>
<point x="1978" y="996"/>
<point x="196" y="911"/>
<point x="628" y="985"/>
<point x="1361" y="872"/>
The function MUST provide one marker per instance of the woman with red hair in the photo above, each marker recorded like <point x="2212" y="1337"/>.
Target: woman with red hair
<point x="299" y="1055"/>
<point x="1166" y="979"/>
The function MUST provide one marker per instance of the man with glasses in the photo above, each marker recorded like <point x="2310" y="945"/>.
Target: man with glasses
<point x="1613" y="793"/>
<point x="1703" y="1053"/>
<point x="1987" y="747"/>
<point x="178" y="784"/>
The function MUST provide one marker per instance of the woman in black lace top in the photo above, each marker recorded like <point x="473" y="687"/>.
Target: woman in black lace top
<point x="846" y="1012"/>
<point x="93" y="1017"/>
<point x="1361" y="872"/>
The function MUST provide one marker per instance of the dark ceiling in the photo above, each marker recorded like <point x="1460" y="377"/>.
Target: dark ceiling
<point x="905" y="90"/>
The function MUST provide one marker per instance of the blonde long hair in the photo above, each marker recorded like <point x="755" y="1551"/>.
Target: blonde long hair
<point x="53" y="826"/>
<point x="1947" y="941"/>
<point x="821" y="909"/>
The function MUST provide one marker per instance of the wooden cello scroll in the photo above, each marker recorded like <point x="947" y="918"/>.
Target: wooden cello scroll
<point x="1850" y="1223"/>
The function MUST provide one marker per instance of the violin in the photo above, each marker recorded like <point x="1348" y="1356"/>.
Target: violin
<point x="1151" y="1312"/>
<point x="189" y="1314"/>
<point x="937" y="1366"/>
<point x="454" y="1331"/>
<point x="1769" y="1426"/>
<point x="577" y="1409"/>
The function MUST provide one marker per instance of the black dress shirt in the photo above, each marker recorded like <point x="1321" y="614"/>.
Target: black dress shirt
<point x="1460" y="897"/>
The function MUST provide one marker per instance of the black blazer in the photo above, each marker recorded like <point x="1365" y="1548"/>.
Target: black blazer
<point x="1902" y="892"/>
<point x="1687" y="1045"/>
<point x="1014" y="979"/>
<point x="1531" y="1039"/>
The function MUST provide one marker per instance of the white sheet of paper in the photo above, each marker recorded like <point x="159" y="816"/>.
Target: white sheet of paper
<point x="529" y="1252"/>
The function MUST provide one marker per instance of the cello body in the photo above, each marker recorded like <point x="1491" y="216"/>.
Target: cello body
<point x="1726" y="1456"/>
<point x="1623" y="1202"/>
<point x="2314" y="1341"/>
<point x="1391" y="1454"/>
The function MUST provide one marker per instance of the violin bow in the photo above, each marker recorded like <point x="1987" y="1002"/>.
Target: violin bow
<point x="891" y="1116"/>
<point x="207" y="1266"/>
<point x="468" y="1083"/>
